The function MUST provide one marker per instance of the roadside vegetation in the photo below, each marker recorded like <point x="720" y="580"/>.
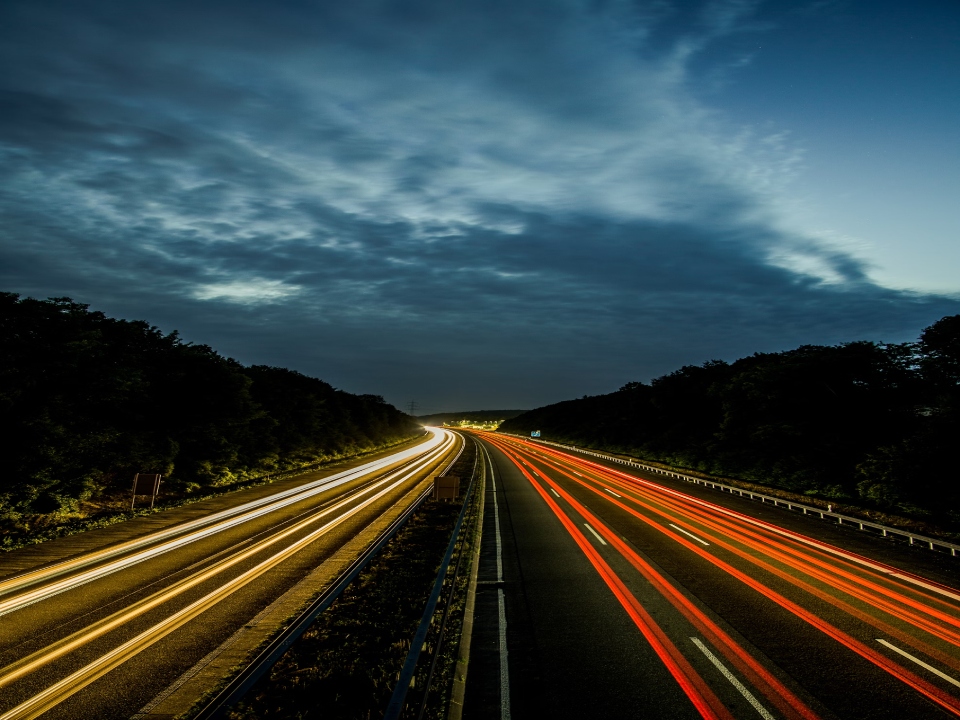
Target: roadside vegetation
<point x="861" y="424"/>
<point x="87" y="401"/>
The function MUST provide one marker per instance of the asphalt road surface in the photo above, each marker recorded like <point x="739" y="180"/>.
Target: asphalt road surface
<point x="605" y="595"/>
<point x="98" y="632"/>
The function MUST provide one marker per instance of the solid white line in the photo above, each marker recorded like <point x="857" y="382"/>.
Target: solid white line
<point x="501" y="606"/>
<point x="496" y="522"/>
<point x="919" y="662"/>
<point x="595" y="534"/>
<point x="764" y="713"/>
<point x="680" y="529"/>
<point x="613" y="493"/>
<point x="504" y="668"/>
<point x="554" y="492"/>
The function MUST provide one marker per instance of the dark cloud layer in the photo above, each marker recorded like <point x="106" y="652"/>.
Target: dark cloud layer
<point x="469" y="204"/>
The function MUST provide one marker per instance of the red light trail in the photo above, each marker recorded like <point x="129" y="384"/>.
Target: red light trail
<point x="888" y="602"/>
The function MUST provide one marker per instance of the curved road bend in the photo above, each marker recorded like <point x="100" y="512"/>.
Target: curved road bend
<point x="99" y="633"/>
<point x="626" y="598"/>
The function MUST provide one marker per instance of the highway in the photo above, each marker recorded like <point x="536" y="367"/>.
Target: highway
<point x="104" y="622"/>
<point x="626" y="597"/>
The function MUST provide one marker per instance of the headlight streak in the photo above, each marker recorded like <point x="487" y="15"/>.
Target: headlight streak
<point x="66" y="687"/>
<point x="922" y="686"/>
<point x="36" y="660"/>
<point x="777" y="693"/>
<point x="247" y="511"/>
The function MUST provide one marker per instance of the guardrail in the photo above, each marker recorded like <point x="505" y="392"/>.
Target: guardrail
<point x="398" y="699"/>
<point x="885" y="530"/>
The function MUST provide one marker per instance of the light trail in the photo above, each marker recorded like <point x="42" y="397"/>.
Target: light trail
<point x="66" y="645"/>
<point x="778" y="694"/>
<point x="359" y="500"/>
<point x="210" y="525"/>
<point x="837" y="577"/>
<point x="246" y="511"/>
<point x="847" y="555"/>
<point x="699" y="693"/>
<point x="767" y="546"/>
<point x="913" y="605"/>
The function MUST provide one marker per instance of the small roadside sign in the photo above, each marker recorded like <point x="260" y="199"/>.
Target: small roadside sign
<point x="145" y="484"/>
<point x="446" y="487"/>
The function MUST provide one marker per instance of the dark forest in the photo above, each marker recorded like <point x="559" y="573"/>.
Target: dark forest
<point x="86" y="401"/>
<point x="870" y="423"/>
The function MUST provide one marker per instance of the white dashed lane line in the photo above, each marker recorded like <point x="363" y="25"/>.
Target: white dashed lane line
<point x="749" y="696"/>
<point x="919" y="662"/>
<point x="595" y="534"/>
<point x="680" y="529"/>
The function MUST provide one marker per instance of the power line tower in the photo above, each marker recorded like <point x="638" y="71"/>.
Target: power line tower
<point x="412" y="407"/>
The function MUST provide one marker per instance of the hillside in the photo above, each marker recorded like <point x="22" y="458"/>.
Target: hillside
<point x="86" y="401"/>
<point x="873" y="423"/>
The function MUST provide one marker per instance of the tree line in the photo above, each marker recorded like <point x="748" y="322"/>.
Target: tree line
<point x="86" y="401"/>
<point x="873" y="423"/>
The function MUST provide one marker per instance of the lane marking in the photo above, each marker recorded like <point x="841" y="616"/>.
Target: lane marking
<point x="919" y="662"/>
<point x="749" y="696"/>
<point x="496" y="524"/>
<point x="501" y="605"/>
<point x="554" y="492"/>
<point x="680" y="529"/>
<point x="595" y="534"/>
<point x="888" y="570"/>
<point x="504" y="668"/>
<point x="613" y="493"/>
<point x="576" y="473"/>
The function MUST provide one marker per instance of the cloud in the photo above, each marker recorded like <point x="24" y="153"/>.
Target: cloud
<point x="246" y="291"/>
<point x="482" y="185"/>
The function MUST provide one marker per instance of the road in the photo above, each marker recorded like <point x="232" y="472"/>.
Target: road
<point x="623" y="597"/>
<point x="98" y="633"/>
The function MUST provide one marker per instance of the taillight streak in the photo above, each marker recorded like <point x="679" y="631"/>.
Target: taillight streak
<point x="777" y="693"/>
<point x="925" y="688"/>
<point x="764" y="547"/>
<point x="693" y="686"/>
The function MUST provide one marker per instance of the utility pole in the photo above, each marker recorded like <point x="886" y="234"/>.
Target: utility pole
<point x="412" y="407"/>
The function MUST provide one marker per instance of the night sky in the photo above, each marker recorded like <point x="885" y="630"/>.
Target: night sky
<point x="484" y="204"/>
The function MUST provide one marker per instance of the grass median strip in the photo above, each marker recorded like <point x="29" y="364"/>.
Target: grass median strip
<point x="348" y="661"/>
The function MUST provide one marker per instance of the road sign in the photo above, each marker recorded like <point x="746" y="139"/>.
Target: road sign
<point x="446" y="487"/>
<point x="145" y="484"/>
<point x="535" y="433"/>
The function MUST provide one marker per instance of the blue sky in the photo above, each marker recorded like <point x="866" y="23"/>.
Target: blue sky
<point x="486" y="204"/>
